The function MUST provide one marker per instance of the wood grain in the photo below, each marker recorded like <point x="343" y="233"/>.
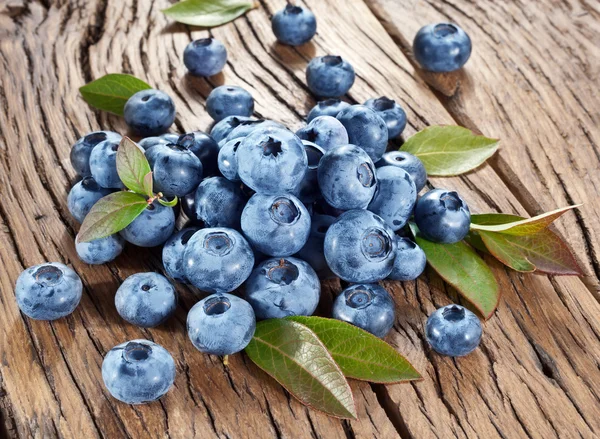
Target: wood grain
<point x="536" y="374"/>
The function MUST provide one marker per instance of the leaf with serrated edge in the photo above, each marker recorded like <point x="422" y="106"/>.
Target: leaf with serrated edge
<point x="208" y="13"/>
<point x="110" y="215"/>
<point x="450" y="150"/>
<point x="461" y="267"/>
<point x="148" y="184"/>
<point x="294" y="356"/>
<point x="111" y="92"/>
<point x="132" y="166"/>
<point x="359" y="354"/>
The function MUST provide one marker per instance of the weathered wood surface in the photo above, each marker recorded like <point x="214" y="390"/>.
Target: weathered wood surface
<point x="537" y="373"/>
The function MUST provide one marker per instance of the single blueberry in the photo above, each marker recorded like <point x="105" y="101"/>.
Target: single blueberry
<point x="247" y="127"/>
<point x="219" y="203"/>
<point x="176" y="171"/>
<point x="294" y="25"/>
<point x="313" y="251"/>
<point x="188" y="203"/>
<point x="227" y="160"/>
<point x="138" y="371"/>
<point x="152" y="227"/>
<point x="366" y="129"/>
<point x="103" y="164"/>
<point x="325" y="131"/>
<point x="453" y="330"/>
<point x="48" y="291"/>
<point x="442" y="216"/>
<point x="308" y="192"/>
<point x="409" y="163"/>
<point x="395" y="196"/>
<point x="392" y="113"/>
<point x="221" y="129"/>
<point x="149" y="112"/>
<point x="172" y="253"/>
<point x="368" y="306"/>
<point x="100" y="251"/>
<point x="205" y="57"/>
<point x="442" y="47"/>
<point x="229" y="100"/>
<point x="410" y="260"/>
<point x="170" y="137"/>
<point x="329" y="107"/>
<point x="83" y="196"/>
<point x="329" y="76"/>
<point x="204" y="147"/>
<point x="148" y="142"/>
<point x="81" y="150"/>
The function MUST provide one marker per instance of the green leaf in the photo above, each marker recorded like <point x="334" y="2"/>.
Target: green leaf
<point x="148" y="185"/>
<point x="521" y="226"/>
<point x="460" y="266"/>
<point x="166" y="203"/>
<point x="208" y="13"/>
<point x="111" y="214"/>
<point x="360" y="355"/>
<point x="111" y="92"/>
<point x="450" y="150"/>
<point x="292" y="354"/>
<point x="133" y="167"/>
<point x="492" y="219"/>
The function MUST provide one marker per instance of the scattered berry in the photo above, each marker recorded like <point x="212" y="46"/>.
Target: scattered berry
<point x="442" y="47"/>
<point x="453" y="330"/>
<point x="229" y="100"/>
<point x="329" y="76"/>
<point x="442" y="216"/>
<point x="294" y="25"/>
<point x="205" y="57"/>
<point x="149" y="112"/>
<point x="100" y="251"/>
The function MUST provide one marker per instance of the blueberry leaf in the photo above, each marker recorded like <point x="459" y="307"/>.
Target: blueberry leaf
<point x="450" y="150"/>
<point x="460" y="266"/>
<point x="360" y="355"/>
<point x="111" y="214"/>
<point x="133" y="167"/>
<point x="294" y="356"/>
<point x="208" y="13"/>
<point x="111" y="92"/>
<point x="166" y="203"/>
<point x="148" y="185"/>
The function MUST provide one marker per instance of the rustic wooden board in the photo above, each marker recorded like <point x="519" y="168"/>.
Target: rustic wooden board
<point x="536" y="374"/>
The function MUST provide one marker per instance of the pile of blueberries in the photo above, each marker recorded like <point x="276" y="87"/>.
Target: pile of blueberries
<point x="269" y="209"/>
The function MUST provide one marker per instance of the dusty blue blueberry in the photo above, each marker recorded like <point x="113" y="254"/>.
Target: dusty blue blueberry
<point x="204" y="147"/>
<point x="221" y="129"/>
<point x="366" y="129"/>
<point x="149" y="112"/>
<point x="329" y="107"/>
<point x="172" y="253"/>
<point x="83" y="196"/>
<point x="152" y="227"/>
<point x="276" y="225"/>
<point x="221" y="324"/>
<point x="205" y="57"/>
<point x="219" y="203"/>
<point x="442" y="216"/>
<point x="48" y="291"/>
<point x="272" y="160"/>
<point x="170" y="137"/>
<point x="103" y="164"/>
<point x="442" y="47"/>
<point x="229" y="100"/>
<point x="294" y="25"/>
<point x="392" y="113"/>
<point x="409" y="163"/>
<point x="227" y="160"/>
<point x="283" y="287"/>
<point x="308" y="191"/>
<point x="347" y="177"/>
<point x="368" y="306"/>
<point x="100" y="251"/>
<point x="453" y="330"/>
<point x="360" y="247"/>
<point x="325" y="131"/>
<point x="81" y="150"/>
<point x="148" y="142"/>
<point x="395" y="196"/>
<point x="138" y="371"/>
<point x="313" y="251"/>
<point x="176" y="171"/>
<point x="146" y="299"/>
<point x="247" y="127"/>
<point x="410" y="260"/>
<point x="188" y="204"/>
<point x="217" y="260"/>
<point x="329" y="76"/>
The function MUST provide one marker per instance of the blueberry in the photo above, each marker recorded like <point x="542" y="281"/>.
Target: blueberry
<point x="221" y="129"/>
<point x="325" y="131"/>
<point x="368" y="306"/>
<point x="48" y="291"/>
<point x="442" y="47"/>
<point x="247" y="127"/>
<point x="100" y="251"/>
<point x="366" y="129"/>
<point x="170" y="137"/>
<point x="409" y="163"/>
<point x="294" y="25"/>
<point x="205" y="57"/>
<point x="219" y="203"/>
<point x="328" y="107"/>
<point x="81" y="150"/>
<point x="138" y="371"/>
<point x="360" y="247"/>
<point x="329" y="76"/>
<point x="272" y="160"/>
<point x="217" y="260"/>
<point x="227" y="160"/>
<point x="221" y="324"/>
<point x="392" y="113"/>
<point x="103" y="164"/>
<point x="149" y="112"/>
<point x="308" y="192"/>
<point x="313" y="252"/>
<point x="442" y="216"/>
<point x="83" y="196"/>
<point x="279" y="288"/>
<point x="204" y="147"/>
<point x="394" y="197"/>
<point x="347" y="177"/>
<point x="188" y="203"/>
<point x="172" y="253"/>
<point x="410" y="260"/>
<point x="176" y="171"/>
<point x="276" y="225"/>
<point x="229" y="100"/>
<point x="453" y="330"/>
<point x="152" y="227"/>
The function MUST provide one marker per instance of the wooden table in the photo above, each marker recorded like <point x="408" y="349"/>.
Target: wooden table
<point x="532" y="81"/>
